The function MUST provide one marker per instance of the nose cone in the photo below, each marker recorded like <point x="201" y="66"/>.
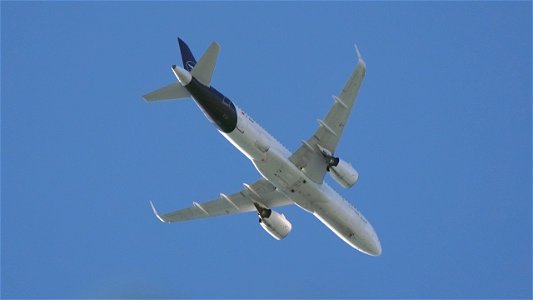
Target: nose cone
<point x="184" y="77"/>
<point x="374" y="248"/>
<point x="366" y="242"/>
<point x="372" y="245"/>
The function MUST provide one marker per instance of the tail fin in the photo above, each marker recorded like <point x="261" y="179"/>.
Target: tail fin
<point x="175" y="90"/>
<point x="202" y="71"/>
<point x="186" y="55"/>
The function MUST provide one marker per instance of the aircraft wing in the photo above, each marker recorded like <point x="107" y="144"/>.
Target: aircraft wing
<point x="309" y="157"/>
<point x="261" y="191"/>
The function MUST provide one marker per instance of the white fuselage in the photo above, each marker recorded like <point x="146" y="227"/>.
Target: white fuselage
<point x="271" y="159"/>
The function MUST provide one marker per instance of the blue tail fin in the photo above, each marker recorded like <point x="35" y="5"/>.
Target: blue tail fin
<point x="186" y="55"/>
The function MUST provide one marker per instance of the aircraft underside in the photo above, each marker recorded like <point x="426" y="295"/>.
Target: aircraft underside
<point x="286" y="178"/>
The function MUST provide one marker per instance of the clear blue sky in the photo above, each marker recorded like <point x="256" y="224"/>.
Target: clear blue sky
<point x="441" y="136"/>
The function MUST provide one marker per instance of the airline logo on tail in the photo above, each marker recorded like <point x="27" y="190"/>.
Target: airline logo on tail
<point x="189" y="65"/>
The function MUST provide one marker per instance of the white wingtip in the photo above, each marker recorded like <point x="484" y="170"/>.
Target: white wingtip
<point x="360" y="61"/>
<point x="358" y="53"/>
<point x="156" y="213"/>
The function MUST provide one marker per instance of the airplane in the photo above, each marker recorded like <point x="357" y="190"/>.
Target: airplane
<point x="286" y="178"/>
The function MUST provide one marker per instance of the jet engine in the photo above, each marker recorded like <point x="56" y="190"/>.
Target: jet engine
<point x="343" y="173"/>
<point x="273" y="222"/>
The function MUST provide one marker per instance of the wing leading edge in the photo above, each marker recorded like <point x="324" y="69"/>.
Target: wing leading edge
<point x="309" y="156"/>
<point x="261" y="191"/>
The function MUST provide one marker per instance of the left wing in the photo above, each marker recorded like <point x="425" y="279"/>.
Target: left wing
<point x="261" y="191"/>
<point x="310" y="157"/>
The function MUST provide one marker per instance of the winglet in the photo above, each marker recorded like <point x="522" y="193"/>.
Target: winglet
<point x="156" y="213"/>
<point x="358" y="53"/>
<point x="360" y="59"/>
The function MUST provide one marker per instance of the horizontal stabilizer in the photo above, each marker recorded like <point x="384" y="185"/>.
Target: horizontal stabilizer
<point x="203" y="71"/>
<point x="171" y="91"/>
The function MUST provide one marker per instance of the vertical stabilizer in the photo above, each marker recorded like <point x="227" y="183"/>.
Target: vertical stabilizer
<point x="186" y="55"/>
<point x="203" y="70"/>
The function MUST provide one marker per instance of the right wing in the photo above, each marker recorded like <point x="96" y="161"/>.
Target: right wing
<point x="310" y="156"/>
<point x="261" y="191"/>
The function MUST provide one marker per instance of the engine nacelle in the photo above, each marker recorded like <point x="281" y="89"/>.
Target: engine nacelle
<point x="275" y="224"/>
<point x="344" y="174"/>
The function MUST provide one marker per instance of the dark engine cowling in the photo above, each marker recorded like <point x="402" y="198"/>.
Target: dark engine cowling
<point x="274" y="223"/>
<point x="344" y="174"/>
